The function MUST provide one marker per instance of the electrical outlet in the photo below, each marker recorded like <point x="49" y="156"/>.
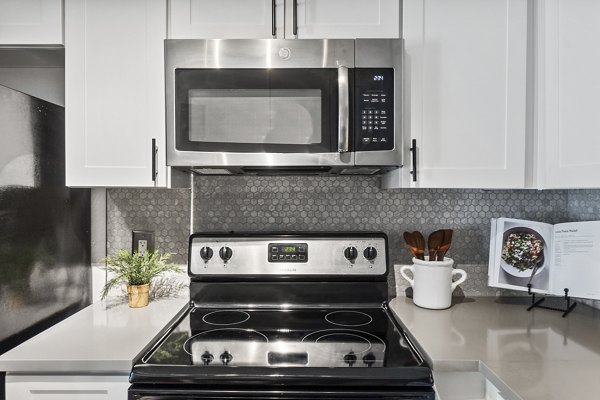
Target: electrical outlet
<point x="142" y="246"/>
<point x="142" y="242"/>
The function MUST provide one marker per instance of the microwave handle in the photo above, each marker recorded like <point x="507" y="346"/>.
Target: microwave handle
<point x="343" y="110"/>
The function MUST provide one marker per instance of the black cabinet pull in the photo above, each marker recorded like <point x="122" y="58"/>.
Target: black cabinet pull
<point x="273" y="19"/>
<point x="295" y="17"/>
<point x="413" y="151"/>
<point x="154" y="154"/>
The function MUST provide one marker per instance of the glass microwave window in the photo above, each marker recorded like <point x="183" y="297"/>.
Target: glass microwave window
<point x="285" y="110"/>
<point x="259" y="116"/>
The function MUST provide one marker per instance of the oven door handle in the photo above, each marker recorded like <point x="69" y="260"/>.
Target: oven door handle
<point x="343" y="110"/>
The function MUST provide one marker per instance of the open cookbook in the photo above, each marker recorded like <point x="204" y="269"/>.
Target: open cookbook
<point x="550" y="257"/>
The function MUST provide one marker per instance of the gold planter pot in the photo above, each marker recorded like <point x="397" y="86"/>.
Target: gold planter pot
<point x="138" y="295"/>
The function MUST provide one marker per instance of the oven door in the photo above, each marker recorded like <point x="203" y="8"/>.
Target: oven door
<point x="234" y="103"/>
<point x="184" y="393"/>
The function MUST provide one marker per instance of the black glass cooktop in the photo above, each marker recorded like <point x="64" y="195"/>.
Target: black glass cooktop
<point x="280" y="338"/>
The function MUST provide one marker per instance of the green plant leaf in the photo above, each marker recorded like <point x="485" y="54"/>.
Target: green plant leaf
<point x="136" y="269"/>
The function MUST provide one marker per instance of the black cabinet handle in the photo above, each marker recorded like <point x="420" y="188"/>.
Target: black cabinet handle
<point x="413" y="151"/>
<point x="295" y="17"/>
<point x="154" y="154"/>
<point x="273" y="19"/>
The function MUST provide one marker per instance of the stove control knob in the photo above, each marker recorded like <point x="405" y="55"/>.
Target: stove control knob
<point x="226" y="357"/>
<point x="350" y="358"/>
<point x="225" y="253"/>
<point x="369" y="359"/>
<point x="350" y="253"/>
<point x="370" y="253"/>
<point x="206" y="253"/>
<point x="207" y="358"/>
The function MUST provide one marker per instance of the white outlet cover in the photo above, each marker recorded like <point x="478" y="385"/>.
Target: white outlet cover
<point x="142" y="247"/>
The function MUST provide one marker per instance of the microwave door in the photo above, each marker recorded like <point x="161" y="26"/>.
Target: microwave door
<point x="256" y="117"/>
<point x="294" y="115"/>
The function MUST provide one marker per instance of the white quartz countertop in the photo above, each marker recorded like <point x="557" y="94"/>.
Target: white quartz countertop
<point x="536" y="355"/>
<point x="97" y="339"/>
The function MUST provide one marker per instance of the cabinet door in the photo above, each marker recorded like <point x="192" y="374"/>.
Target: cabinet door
<point x="343" y="19"/>
<point x="225" y="19"/>
<point x="465" y="94"/>
<point x="115" y="99"/>
<point x="31" y="22"/>
<point x="39" y="387"/>
<point x="569" y="84"/>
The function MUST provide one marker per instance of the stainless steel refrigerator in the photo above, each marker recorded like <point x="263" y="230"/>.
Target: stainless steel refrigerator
<point x="45" y="268"/>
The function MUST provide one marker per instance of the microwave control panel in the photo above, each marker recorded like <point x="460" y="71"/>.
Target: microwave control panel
<point x="374" y="109"/>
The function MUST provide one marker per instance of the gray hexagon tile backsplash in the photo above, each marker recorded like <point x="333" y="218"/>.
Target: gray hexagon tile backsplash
<point x="164" y="211"/>
<point x="348" y="203"/>
<point x="353" y="203"/>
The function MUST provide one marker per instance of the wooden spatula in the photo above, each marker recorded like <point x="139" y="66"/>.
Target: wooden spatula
<point x="420" y="244"/>
<point x="445" y="244"/>
<point x="434" y="242"/>
<point x="411" y="243"/>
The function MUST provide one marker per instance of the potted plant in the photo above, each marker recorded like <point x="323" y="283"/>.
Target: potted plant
<point x="137" y="271"/>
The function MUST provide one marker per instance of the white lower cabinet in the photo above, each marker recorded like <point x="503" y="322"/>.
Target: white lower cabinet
<point x="466" y="385"/>
<point x="67" y="387"/>
<point x="567" y="96"/>
<point x="465" y="93"/>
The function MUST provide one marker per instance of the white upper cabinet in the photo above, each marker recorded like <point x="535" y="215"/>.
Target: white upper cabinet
<point x="465" y="93"/>
<point x="31" y="22"/>
<point x="343" y="19"/>
<point x="256" y="19"/>
<point x="568" y="93"/>
<point x="226" y="19"/>
<point x="115" y="96"/>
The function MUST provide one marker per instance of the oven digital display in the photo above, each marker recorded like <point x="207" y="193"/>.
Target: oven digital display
<point x="288" y="252"/>
<point x="288" y="358"/>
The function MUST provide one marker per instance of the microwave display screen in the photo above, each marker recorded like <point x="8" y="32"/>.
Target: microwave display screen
<point x="255" y="116"/>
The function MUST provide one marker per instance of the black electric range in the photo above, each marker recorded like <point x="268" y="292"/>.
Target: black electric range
<point x="264" y="323"/>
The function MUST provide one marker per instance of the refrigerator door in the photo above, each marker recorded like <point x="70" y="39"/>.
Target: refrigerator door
<point x="44" y="226"/>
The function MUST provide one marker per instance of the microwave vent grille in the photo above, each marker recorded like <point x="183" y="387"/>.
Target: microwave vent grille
<point x="360" y="171"/>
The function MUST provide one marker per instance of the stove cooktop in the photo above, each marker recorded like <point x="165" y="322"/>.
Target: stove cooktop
<point x="280" y="338"/>
<point x="302" y="350"/>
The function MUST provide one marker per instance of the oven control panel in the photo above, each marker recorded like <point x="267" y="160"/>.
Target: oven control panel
<point x="374" y="109"/>
<point x="288" y="252"/>
<point x="264" y="255"/>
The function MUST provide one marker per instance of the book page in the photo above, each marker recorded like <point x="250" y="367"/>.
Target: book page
<point x="577" y="259"/>
<point x="492" y="257"/>
<point x="522" y="254"/>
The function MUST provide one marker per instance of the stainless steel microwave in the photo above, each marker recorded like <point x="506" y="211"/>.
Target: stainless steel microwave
<point x="269" y="106"/>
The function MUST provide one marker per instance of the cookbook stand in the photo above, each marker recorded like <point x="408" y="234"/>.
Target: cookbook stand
<point x="569" y="306"/>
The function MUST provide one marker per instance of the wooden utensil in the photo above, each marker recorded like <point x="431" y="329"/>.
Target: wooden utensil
<point x="434" y="242"/>
<point x="420" y="244"/>
<point x="445" y="244"/>
<point x="411" y="243"/>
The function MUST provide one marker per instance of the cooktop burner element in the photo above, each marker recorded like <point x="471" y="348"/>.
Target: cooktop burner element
<point x="226" y="317"/>
<point x="257" y="326"/>
<point x="349" y="345"/>
<point x="348" y="318"/>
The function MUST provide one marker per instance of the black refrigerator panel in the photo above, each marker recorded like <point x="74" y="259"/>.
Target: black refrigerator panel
<point x="44" y="226"/>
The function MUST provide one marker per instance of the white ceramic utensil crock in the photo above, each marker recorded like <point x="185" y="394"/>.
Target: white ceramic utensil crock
<point x="432" y="282"/>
